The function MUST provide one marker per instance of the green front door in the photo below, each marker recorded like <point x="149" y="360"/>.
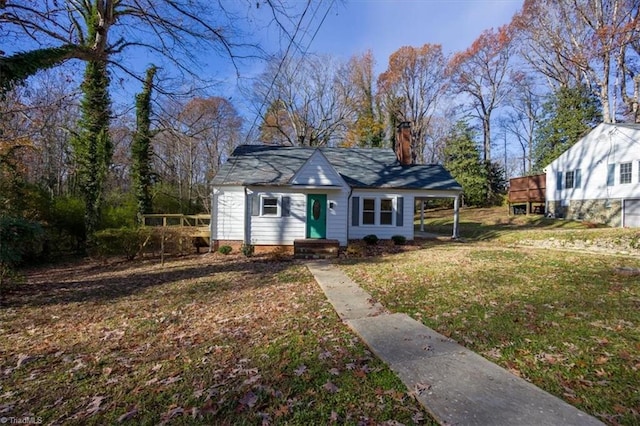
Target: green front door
<point x="316" y="216"/>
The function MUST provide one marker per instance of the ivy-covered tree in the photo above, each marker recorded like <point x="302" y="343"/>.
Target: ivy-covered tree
<point x="462" y="159"/>
<point x="567" y="115"/>
<point x="141" y="150"/>
<point x="92" y="145"/>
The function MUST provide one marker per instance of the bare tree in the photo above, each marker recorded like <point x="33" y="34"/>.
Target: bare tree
<point x="194" y="140"/>
<point x="411" y="88"/>
<point x="587" y="42"/>
<point x="482" y="72"/>
<point x="525" y="103"/>
<point x="307" y="101"/>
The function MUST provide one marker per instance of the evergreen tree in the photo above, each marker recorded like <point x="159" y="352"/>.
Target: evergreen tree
<point x="462" y="159"/>
<point x="567" y="115"/>
<point x="141" y="150"/>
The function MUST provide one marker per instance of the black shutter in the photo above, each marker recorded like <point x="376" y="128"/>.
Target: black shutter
<point x="286" y="206"/>
<point x="559" y="181"/>
<point x="399" y="211"/>
<point x="255" y="205"/>
<point x="355" y="211"/>
<point x="578" y="179"/>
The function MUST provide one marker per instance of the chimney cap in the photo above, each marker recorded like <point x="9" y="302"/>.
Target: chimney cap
<point x="404" y="124"/>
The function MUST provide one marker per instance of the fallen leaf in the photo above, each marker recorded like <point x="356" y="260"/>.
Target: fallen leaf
<point x="421" y="387"/>
<point x="300" y="370"/>
<point x="249" y="399"/>
<point x="94" y="405"/>
<point x="128" y="415"/>
<point x="24" y="359"/>
<point x="283" y="410"/>
<point x="330" y="387"/>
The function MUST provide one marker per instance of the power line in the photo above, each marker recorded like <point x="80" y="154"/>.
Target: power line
<point x="284" y="57"/>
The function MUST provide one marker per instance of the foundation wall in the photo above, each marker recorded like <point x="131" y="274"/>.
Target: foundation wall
<point x="608" y="212"/>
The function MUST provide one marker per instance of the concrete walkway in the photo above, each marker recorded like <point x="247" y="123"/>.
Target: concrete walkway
<point x="457" y="386"/>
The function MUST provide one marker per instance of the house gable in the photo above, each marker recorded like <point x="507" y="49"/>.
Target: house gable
<point x="317" y="171"/>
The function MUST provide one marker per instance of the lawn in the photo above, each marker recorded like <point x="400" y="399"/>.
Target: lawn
<point x="206" y="339"/>
<point x="566" y="321"/>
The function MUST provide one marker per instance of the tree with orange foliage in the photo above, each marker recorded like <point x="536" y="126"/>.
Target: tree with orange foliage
<point x="367" y="126"/>
<point x="482" y="72"/>
<point x="410" y="89"/>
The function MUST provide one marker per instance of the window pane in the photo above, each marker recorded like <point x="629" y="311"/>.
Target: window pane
<point x="386" y="211"/>
<point x="568" y="180"/>
<point x="368" y="218"/>
<point x="368" y="204"/>
<point x="386" y="218"/>
<point x="625" y="173"/>
<point x="386" y="205"/>
<point x="269" y="206"/>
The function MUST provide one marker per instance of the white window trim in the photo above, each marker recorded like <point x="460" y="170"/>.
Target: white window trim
<point x="278" y="205"/>
<point x="630" y="163"/>
<point x="377" y="210"/>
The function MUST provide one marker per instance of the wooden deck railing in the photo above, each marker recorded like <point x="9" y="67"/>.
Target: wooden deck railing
<point x="197" y="225"/>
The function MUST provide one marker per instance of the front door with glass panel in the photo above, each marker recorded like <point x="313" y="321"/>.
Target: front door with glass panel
<point x="316" y="216"/>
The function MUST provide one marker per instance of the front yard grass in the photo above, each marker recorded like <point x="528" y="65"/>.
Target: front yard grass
<point x="568" y="322"/>
<point x="206" y="339"/>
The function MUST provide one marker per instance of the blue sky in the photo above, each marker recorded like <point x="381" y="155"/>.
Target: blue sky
<point x="383" y="26"/>
<point x="386" y="25"/>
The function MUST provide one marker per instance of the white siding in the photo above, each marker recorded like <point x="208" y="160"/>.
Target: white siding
<point x="338" y="216"/>
<point x="317" y="171"/>
<point x="604" y="145"/>
<point x="228" y="214"/>
<point x="279" y="230"/>
<point x="384" y="231"/>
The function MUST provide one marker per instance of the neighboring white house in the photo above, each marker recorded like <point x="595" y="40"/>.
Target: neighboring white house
<point x="598" y="178"/>
<point x="274" y="195"/>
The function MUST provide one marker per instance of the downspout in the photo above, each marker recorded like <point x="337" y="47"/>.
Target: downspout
<point x="349" y="212"/>
<point x="456" y="217"/>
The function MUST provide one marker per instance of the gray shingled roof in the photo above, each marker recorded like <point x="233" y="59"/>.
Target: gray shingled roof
<point x="360" y="168"/>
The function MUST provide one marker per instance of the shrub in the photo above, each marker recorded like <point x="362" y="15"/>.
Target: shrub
<point x="371" y="239"/>
<point x="399" y="240"/>
<point x="119" y="213"/>
<point x="127" y="242"/>
<point x="20" y="240"/>
<point x="247" y="250"/>
<point x="66" y="219"/>
<point x="354" y="250"/>
<point x="225" y="249"/>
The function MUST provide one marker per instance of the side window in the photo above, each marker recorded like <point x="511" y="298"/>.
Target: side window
<point x="568" y="180"/>
<point x="369" y="211"/>
<point x="386" y="211"/>
<point x="269" y="206"/>
<point x="611" y="174"/>
<point x="625" y="172"/>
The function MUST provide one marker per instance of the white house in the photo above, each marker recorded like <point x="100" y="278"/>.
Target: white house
<point x="275" y="195"/>
<point x="598" y="178"/>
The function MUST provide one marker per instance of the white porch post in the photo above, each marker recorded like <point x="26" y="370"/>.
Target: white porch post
<point x="421" y="215"/>
<point x="456" y="216"/>
<point x="247" y="215"/>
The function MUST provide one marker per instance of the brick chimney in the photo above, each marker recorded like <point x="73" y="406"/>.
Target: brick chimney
<point x="403" y="143"/>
